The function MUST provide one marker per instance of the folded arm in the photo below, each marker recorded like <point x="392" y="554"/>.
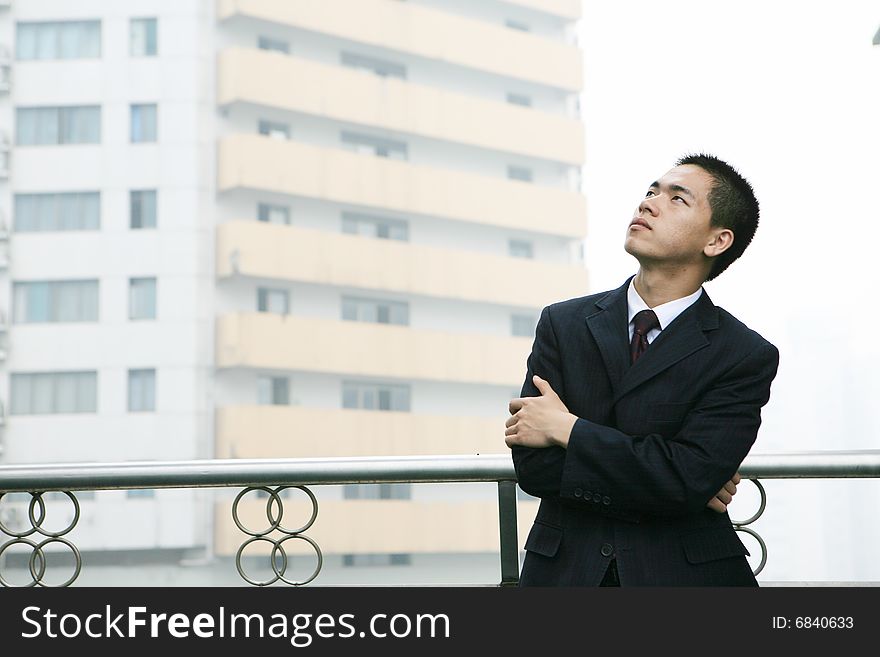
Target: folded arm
<point x="647" y="474"/>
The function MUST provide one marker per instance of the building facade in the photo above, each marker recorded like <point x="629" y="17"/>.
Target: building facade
<point x="276" y="228"/>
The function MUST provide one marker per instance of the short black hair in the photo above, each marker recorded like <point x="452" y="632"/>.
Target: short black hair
<point x="733" y="204"/>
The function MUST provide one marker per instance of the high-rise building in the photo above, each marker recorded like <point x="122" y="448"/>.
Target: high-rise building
<point x="282" y="228"/>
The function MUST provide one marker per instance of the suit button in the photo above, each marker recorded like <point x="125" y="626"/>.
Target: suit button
<point x="587" y="495"/>
<point x="597" y="498"/>
<point x="606" y="500"/>
<point x="578" y="492"/>
<point x="607" y="550"/>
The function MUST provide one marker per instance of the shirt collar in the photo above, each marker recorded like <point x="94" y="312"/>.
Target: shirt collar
<point x="666" y="312"/>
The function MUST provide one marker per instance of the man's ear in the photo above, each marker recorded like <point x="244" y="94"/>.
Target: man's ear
<point x="722" y="241"/>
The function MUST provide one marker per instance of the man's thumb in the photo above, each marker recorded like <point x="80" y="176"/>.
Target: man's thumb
<point x="543" y="387"/>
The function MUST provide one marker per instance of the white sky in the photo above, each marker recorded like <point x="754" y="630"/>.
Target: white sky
<point x="789" y="93"/>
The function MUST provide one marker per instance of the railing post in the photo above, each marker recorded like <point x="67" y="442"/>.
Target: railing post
<point x="507" y="531"/>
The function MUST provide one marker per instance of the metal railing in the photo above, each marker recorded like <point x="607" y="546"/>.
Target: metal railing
<point x="272" y="476"/>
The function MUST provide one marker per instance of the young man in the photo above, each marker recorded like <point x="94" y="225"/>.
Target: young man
<point x="640" y="403"/>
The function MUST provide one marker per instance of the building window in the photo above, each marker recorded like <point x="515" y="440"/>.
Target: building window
<point x="273" y="390"/>
<point x="375" y="396"/>
<point x="142" y="298"/>
<point x="55" y="301"/>
<point x="523" y="326"/>
<point x="143" y="37"/>
<point x="378" y="227"/>
<point x="141" y="390"/>
<point x="266" y="43"/>
<point x="274" y="129"/>
<point x="57" y="212"/>
<point x="377" y="491"/>
<point x="358" y="309"/>
<point x="273" y="214"/>
<point x="142" y="208"/>
<point x="42" y="126"/>
<point x="517" y="25"/>
<point x="520" y="249"/>
<point x="143" y="124"/>
<point x="138" y="493"/>
<point x="378" y="146"/>
<point x="359" y="560"/>
<point x="519" y="99"/>
<point x="381" y="67"/>
<point x="58" y="40"/>
<point x="43" y="393"/>
<point x="519" y="173"/>
<point x="273" y="301"/>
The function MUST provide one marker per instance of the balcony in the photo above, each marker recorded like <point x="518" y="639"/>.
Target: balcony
<point x="331" y="174"/>
<point x="291" y="253"/>
<point x="350" y="432"/>
<point x="351" y="96"/>
<point x="424" y="32"/>
<point x="286" y="342"/>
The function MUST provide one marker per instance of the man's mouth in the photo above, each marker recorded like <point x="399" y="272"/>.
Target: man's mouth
<point x="638" y="222"/>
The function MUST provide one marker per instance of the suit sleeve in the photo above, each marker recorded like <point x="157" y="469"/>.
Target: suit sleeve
<point x="678" y="475"/>
<point x="539" y="471"/>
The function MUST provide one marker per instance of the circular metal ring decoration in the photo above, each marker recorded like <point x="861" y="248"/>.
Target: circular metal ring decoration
<point x="37" y="563"/>
<point x="311" y="521"/>
<point x="760" y="511"/>
<point x="740" y="525"/>
<point x="35" y="576"/>
<point x="278" y="548"/>
<point x="273" y="498"/>
<point x="761" y="542"/>
<point x="34" y="523"/>
<point x="278" y="574"/>
<point x="274" y="501"/>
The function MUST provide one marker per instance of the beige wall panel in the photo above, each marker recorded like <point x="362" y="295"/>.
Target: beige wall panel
<point x="263" y="340"/>
<point x="426" y="32"/>
<point x="351" y="96"/>
<point x="336" y="175"/>
<point x="264" y="250"/>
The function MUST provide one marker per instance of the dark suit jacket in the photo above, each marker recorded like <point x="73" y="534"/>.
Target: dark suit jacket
<point x="654" y="442"/>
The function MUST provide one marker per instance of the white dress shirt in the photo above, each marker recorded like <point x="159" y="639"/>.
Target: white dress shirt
<point x="665" y="312"/>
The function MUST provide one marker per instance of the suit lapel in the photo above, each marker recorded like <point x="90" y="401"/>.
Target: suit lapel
<point x="608" y="324"/>
<point x="684" y="336"/>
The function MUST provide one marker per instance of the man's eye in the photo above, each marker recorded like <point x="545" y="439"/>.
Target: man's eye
<point x="650" y="193"/>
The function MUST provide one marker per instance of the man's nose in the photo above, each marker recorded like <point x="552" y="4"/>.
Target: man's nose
<point x="648" y="205"/>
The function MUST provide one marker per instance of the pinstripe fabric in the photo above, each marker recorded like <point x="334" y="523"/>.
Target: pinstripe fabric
<point x="654" y="442"/>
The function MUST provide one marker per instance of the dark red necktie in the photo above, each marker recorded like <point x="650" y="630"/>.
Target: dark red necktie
<point x="644" y="321"/>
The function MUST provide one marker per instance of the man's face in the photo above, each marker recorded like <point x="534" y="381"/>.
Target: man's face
<point x="672" y="223"/>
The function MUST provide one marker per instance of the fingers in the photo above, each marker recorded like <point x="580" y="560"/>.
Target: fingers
<point x="513" y="419"/>
<point x="511" y="431"/>
<point x="515" y="405"/>
<point x="730" y="487"/>
<point x="736" y="478"/>
<point x="724" y="496"/>
<point x="542" y="386"/>
<point x="717" y="505"/>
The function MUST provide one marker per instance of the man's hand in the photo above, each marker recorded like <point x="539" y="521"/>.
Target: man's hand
<point x="538" y="421"/>
<point x="725" y="495"/>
